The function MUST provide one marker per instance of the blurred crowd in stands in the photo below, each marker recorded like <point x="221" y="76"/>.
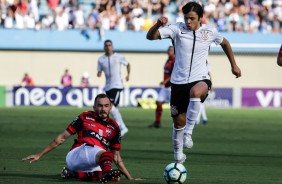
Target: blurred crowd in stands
<point x="138" y="15"/>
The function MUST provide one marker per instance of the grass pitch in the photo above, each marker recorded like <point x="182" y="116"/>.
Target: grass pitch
<point x="237" y="146"/>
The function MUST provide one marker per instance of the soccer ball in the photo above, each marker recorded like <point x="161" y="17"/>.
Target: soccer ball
<point x="175" y="173"/>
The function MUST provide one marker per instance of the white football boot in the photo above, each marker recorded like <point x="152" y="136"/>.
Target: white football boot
<point x="123" y="131"/>
<point x="187" y="141"/>
<point x="182" y="160"/>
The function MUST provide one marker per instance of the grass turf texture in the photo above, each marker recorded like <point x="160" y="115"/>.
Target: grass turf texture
<point x="236" y="146"/>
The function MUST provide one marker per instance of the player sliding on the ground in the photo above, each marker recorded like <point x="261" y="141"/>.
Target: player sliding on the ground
<point x="96" y="147"/>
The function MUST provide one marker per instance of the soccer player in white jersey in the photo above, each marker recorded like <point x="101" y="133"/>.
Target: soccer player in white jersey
<point x="190" y="81"/>
<point x="110" y="63"/>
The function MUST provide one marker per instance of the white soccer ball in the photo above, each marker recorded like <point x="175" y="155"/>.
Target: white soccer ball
<point x="175" y="173"/>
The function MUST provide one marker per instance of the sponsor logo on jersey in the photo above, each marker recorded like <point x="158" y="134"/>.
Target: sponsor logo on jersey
<point x="100" y="138"/>
<point x="100" y="132"/>
<point x="173" y="110"/>
<point x="89" y="118"/>
<point x="92" y="125"/>
<point x="74" y="120"/>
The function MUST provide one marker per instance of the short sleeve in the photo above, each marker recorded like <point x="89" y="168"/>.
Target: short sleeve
<point x="99" y="67"/>
<point x="123" y="60"/>
<point x="76" y="125"/>
<point x="218" y="38"/>
<point x="168" y="31"/>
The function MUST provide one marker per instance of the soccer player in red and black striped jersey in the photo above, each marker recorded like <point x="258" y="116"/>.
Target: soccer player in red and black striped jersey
<point x="164" y="94"/>
<point x="96" y="147"/>
<point x="279" y="57"/>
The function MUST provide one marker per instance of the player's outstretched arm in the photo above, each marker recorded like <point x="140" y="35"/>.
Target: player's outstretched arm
<point x="153" y="33"/>
<point x="120" y="165"/>
<point x="229" y="53"/>
<point x="128" y="68"/>
<point x="60" y="139"/>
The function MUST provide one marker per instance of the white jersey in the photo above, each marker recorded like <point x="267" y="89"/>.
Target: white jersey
<point x="191" y="51"/>
<point x="112" y="69"/>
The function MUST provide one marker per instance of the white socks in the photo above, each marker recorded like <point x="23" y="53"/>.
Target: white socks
<point x="177" y="140"/>
<point x="192" y="114"/>
<point x="117" y="116"/>
<point x="202" y="113"/>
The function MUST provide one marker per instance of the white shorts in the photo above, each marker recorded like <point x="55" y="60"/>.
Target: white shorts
<point x="164" y="95"/>
<point x="82" y="158"/>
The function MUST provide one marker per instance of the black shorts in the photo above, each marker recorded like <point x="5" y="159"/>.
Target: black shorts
<point x="180" y="96"/>
<point x="114" y="95"/>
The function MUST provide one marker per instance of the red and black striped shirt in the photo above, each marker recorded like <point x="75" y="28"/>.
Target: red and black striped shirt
<point x="92" y="130"/>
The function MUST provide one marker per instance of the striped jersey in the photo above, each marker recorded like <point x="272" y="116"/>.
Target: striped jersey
<point x="94" y="131"/>
<point x="111" y="66"/>
<point x="168" y="67"/>
<point x="191" y="51"/>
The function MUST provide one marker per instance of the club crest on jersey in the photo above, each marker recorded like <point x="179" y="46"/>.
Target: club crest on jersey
<point x="109" y="132"/>
<point x="205" y="35"/>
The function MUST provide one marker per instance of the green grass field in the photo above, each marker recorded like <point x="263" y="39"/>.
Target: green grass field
<point x="237" y="146"/>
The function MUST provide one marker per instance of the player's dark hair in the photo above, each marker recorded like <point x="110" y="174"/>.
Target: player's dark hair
<point x="193" y="6"/>
<point x="102" y="95"/>
<point x="171" y="47"/>
<point x="106" y="41"/>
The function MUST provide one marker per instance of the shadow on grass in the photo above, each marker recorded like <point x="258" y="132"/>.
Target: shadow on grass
<point x="10" y="176"/>
<point x="23" y="178"/>
<point x="143" y="154"/>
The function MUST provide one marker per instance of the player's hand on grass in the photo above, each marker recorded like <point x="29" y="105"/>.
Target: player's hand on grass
<point x="31" y="158"/>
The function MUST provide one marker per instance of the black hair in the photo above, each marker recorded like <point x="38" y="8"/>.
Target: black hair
<point x="193" y="6"/>
<point x="101" y="95"/>
<point x="106" y="41"/>
<point x="171" y="47"/>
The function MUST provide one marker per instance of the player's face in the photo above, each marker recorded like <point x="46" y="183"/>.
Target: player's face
<point x="103" y="107"/>
<point x="170" y="52"/>
<point x="192" y="20"/>
<point x="108" y="47"/>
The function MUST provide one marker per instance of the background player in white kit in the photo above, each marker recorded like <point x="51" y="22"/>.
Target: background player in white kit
<point x="202" y="112"/>
<point x="110" y="63"/>
<point x="190" y="81"/>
